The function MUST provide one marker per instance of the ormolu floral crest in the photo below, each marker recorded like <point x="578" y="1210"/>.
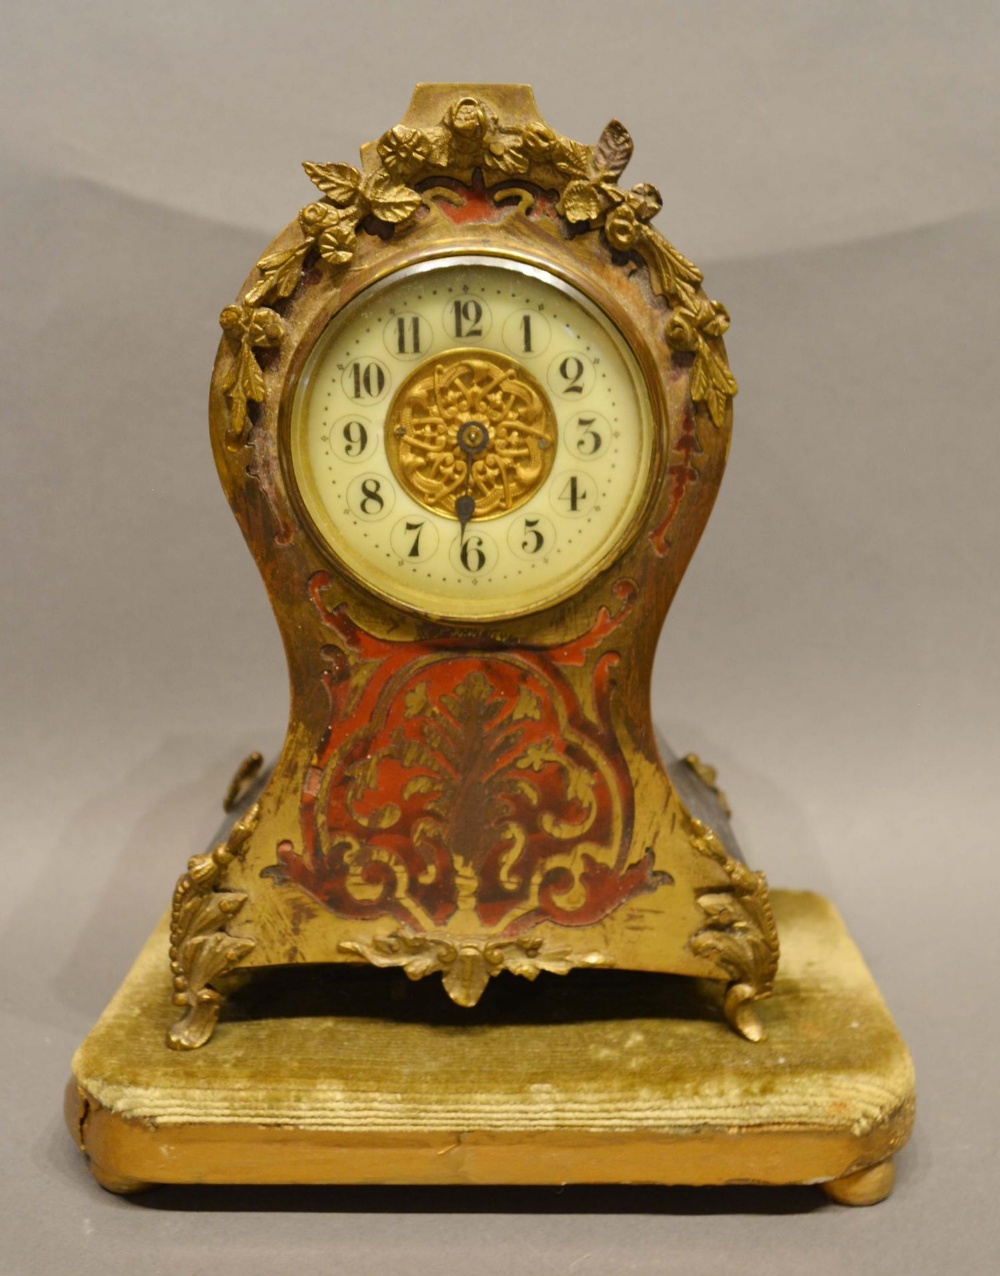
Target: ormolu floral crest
<point x="471" y="137"/>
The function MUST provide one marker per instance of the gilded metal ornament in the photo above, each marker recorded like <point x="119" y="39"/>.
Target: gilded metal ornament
<point x="739" y="934"/>
<point x="472" y="137"/>
<point x="474" y="424"/>
<point x="201" y="948"/>
<point x="710" y="778"/>
<point x="468" y="964"/>
<point x="243" y="779"/>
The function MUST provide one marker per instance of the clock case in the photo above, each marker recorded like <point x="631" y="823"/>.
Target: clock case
<point x="474" y="798"/>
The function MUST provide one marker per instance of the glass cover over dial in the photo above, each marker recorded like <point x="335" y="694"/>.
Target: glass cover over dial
<point x="472" y="438"/>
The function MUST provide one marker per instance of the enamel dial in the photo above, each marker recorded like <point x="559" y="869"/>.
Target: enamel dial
<point x="471" y="438"/>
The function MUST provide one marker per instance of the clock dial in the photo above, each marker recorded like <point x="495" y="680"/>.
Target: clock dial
<point x="471" y="438"/>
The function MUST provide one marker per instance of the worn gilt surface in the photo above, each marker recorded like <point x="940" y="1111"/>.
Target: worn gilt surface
<point x="466" y="964"/>
<point x="739" y="932"/>
<point x="477" y="797"/>
<point x="201" y="947"/>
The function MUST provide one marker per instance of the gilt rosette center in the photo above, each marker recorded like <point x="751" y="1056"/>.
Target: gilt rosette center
<point x="473" y="424"/>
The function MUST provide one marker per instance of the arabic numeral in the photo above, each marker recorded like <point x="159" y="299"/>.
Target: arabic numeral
<point x="571" y="376"/>
<point x="413" y="540"/>
<point x="471" y="555"/>
<point x="533" y="539"/>
<point x="407" y="335"/>
<point x="588" y="439"/>
<point x="573" y="494"/>
<point x="352" y="438"/>
<point x="355" y="438"/>
<point x="411" y="346"/>
<point x="467" y="317"/>
<point x="571" y="371"/>
<point x="526" y="333"/>
<point x="372" y="501"/>
<point x="365" y="382"/>
<point x="416" y="529"/>
<point x="370" y="497"/>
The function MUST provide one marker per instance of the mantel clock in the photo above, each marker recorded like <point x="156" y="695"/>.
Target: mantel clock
<point x="471" y="411"/>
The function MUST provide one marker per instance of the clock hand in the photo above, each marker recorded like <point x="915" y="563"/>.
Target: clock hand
<point x="473" y="438"/>
<point x="465" y="507"/>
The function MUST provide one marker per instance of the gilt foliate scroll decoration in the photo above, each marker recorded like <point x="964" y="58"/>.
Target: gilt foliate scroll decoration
<point x="201" y="949"/>
<point x="624" y="217"/>
<point x="330" y="227"/>
<point x="738" y="934"/>
<point x="467" y="964"/>
<point x="252" y="328"/>
<point x="471" y="137"/>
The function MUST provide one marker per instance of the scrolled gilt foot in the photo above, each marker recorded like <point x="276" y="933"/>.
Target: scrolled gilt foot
<point x="197" y="1025"/>
<point x="863" y="1187"/>
<point x="738" y="934"/>
<point x="740" y="1012"/>
<point x="201" y="949"/>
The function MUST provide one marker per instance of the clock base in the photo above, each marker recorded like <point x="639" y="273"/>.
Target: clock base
<point x="604" y="1076"/>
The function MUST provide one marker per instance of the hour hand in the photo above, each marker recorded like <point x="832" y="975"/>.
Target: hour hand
<point x="465" y="507"/>
<point x="473" y="438"/>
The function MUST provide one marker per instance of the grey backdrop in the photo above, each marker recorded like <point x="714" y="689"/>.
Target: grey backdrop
<point x="834" y="170"/>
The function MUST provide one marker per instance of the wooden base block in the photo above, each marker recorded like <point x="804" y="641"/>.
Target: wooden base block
<point x="352" y="1075"/>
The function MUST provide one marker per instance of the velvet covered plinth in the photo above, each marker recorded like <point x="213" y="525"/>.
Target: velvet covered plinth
<point x="354" y="1075"/>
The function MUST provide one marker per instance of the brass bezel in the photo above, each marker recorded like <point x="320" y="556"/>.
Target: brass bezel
<point x="560" y="271"/>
